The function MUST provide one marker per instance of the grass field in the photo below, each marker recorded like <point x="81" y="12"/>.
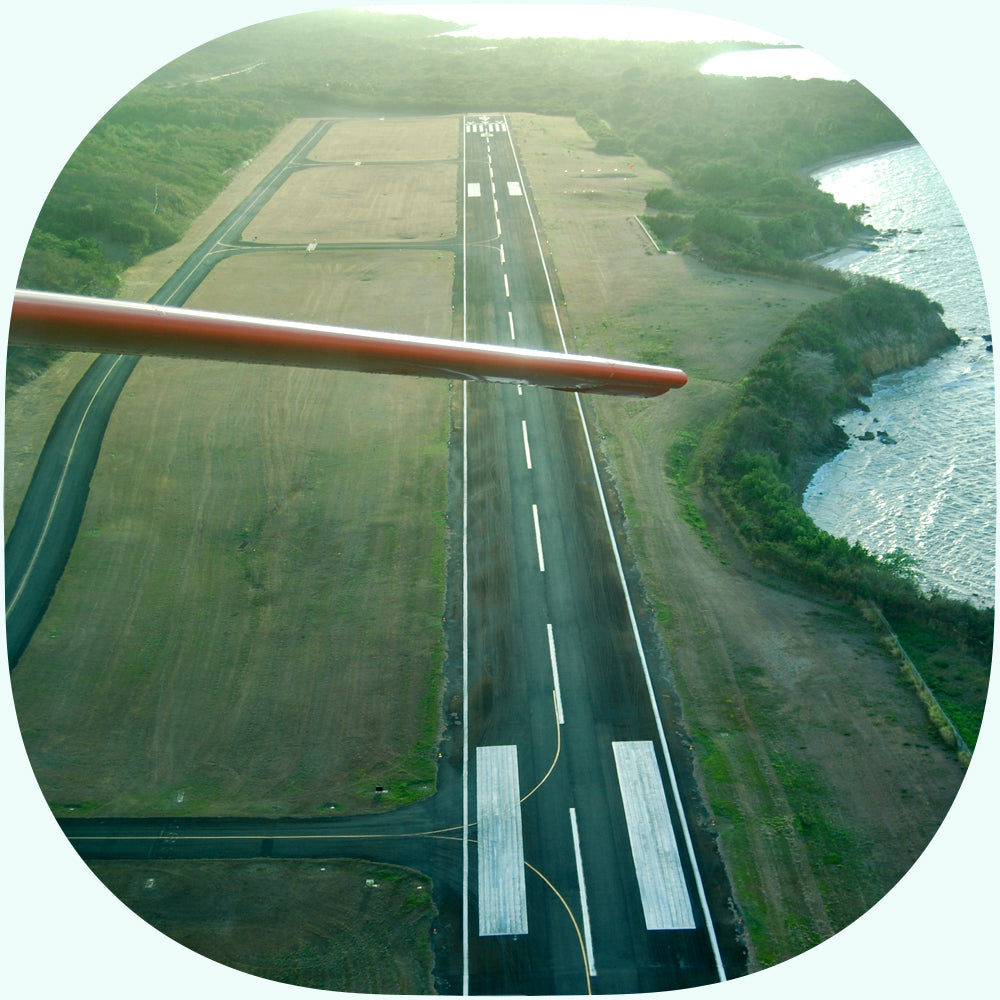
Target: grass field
<point x="248" y="915"/>
<point x="824" y="777"/>
<point x="250" y="622"/>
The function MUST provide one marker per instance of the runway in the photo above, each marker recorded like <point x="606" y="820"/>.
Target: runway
<point x="556" y="672"/>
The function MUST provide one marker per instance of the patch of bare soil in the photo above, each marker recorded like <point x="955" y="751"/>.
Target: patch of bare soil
<point x="823" y="777"/>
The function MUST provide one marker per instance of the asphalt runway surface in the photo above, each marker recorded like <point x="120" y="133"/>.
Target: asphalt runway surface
<point x="560" y="680"/>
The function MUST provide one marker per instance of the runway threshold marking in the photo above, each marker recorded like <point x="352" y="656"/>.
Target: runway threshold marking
<point x="584" y="909"/>
<point x="555" y="675"/>
<point x="538" y="538"/>
<point x="665" y="900"/>
<point x="500" y="846"/>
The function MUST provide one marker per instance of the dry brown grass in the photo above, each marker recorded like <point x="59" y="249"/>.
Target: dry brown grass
<point x="823" y="777"/>
<point x="372" y="201"/>
<point x="414" y="140"/>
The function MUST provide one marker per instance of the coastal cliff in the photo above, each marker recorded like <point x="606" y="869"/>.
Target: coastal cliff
<point x="820" y="367"/>
<point x="782" y="428"/>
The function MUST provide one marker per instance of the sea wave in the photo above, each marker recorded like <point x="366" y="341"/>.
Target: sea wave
<point x="920" y="473"/>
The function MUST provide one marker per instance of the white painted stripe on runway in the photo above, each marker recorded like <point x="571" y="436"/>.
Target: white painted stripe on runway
<point x="519" y="392"/>
<point x="665" y="899"/>
<point x="500" y="846"/>
<point x="510" y="318"/>
<point x="538" y="538"/>
<point x="527" y="450"/>
<point x="496" y="207"/>
<point x="474" y="190"/>
<point x="490" y="161"/>
<point x="555" y="675"/>
<point x="506" y="285"/>
<point x="503" y="259"/>
<point x="514" y="189"/>
<point x="587" y="939"/>
<point x="499" y="230"/>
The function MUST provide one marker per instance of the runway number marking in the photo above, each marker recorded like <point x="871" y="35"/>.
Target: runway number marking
<point x="665" y="900"/>
<point x="538" y="538"/>
<point x="500" y="845"/>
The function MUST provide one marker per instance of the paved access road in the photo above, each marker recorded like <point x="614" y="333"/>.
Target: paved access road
<point x="559" y="843"/>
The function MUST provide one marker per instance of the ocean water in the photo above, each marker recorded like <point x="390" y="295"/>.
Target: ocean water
<point x="926" y="483"/>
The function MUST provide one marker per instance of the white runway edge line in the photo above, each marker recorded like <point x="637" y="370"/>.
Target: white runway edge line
<point x="587" y="939"/>
<point x="720" y="969"/>
<point x="538" y="538"/>
<point x="555" y="675"/>
<point x="527" y="449"/>
<point x="465" y="597"/>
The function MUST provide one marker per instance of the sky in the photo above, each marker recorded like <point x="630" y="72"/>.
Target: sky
<point x="616" y="21"/>
<point x="935" y="67"/>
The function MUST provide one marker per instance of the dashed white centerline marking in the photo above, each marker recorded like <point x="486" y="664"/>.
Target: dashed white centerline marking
<point x="555" y="677"/>
<point x="503" y="259"/>
<point x="506" y="286"/>
<point x="510" y="319"/>
<point x="538" y="538"/>
<point x="587" y="940"/>
<point x="527" y="450"/>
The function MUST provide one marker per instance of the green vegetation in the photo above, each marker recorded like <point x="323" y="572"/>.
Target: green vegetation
<point x="781" y="429"/>
<point x="158" y="157"/>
